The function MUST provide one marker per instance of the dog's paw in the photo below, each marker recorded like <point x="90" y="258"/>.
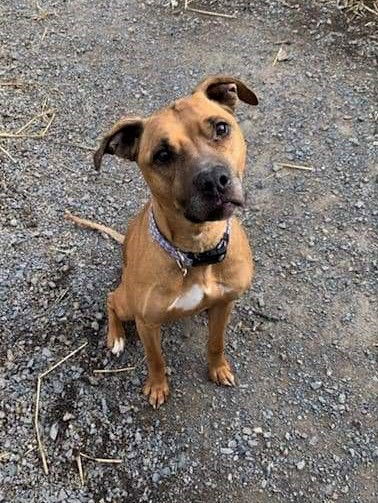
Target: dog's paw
<point x="118" y="346"/>
<point x="156" y="391"/>
<point x="222" y="374"/>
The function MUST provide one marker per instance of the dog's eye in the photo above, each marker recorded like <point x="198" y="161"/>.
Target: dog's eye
<point x="222" y="129"/>
<point x="163" y="156"/>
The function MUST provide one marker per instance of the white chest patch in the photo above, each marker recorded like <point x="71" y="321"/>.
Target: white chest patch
<point x="189" y="299"/>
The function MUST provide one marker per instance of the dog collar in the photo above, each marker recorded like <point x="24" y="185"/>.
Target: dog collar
<point x="186" y="260"/>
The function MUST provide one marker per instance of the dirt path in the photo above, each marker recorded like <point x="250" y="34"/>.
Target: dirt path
<point x="301" y="425"/>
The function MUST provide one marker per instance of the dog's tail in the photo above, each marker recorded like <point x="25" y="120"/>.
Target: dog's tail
<point x="82" y="222"/>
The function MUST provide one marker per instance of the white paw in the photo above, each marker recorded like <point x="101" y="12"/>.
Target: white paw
<point x="118" y="347"/>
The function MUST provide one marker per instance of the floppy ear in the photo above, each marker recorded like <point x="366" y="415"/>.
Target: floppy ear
<point x="226" y="90"/>
<point x="122" y="140"/>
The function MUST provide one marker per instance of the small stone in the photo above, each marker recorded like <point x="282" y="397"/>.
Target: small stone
<point x="46" y="352"/>
<point x="316" y="385"/>
<point x="99" y="316"/>
<point x="13" y="222"/>
<point x="264" y="483"/>
<point x="247" y="431"/>
<point x="95" y="325"/>
<point x="342" y="398"/>
<point x="258" y="430"/>
<point x="54" y="431"/>
<point x="155" y="477"/>
<point x="58" y="387"/>
<point x="227" y="450"/>
<point x="301" y="464"/>
<point x="166" y="471"/>
<point x="67" y="416"/>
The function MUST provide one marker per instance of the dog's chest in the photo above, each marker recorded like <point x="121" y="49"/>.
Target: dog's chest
<point x="197" y="295"/>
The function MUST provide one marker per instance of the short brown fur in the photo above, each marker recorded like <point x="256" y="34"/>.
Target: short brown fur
<point x="152" y="284"/>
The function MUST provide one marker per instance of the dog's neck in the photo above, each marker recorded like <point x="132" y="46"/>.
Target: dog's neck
<point x="182" y="233"/>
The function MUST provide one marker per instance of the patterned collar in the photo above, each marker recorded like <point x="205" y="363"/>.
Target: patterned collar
<point x="186" y="260"/>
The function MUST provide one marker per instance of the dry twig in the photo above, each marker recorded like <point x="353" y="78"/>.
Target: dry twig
<point x="22" y="132"/>
<point x="358" y="7"/>
<point x="41" y="134"/>
<point x="7" y="153"/>
<point x="77" y="145"/>
<point x="267" y="317"/>
<point x="37" y="402"/>
<point x="295" y="166"/>
<point x="101" y="460"/>
<point x="207" y="12"/>
<point x="16" y="84"/>
<point x="115" y="371"/>
<point x="80" y="468"/>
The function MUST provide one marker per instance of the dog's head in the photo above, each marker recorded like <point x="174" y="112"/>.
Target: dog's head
<point x="192" y="152"/>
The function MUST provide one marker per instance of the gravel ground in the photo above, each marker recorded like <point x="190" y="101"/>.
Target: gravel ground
<point x="301" y="424"/>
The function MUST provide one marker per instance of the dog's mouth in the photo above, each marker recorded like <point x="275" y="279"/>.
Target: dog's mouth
<point x="226" y="202"/>
<point x="216" y="208"/>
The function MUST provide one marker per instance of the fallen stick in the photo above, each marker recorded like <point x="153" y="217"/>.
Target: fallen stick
<point x="295" y="166"/>
<point x="41" y="448"/>
<point x="101" y="460"/>
<point x="267" y="317"/>
<point x="77" y="145"/>
<point x="210" y="13"/>
<point x="73" y="353"/>
<point x="36" y="426"/>
<point x="207" y="12"/>
<point x="80" y="468"/>
<point x="7" y="154"/>
<point x="20" y="132"/>
<point x="113" y="371"/>
<point x="83" y="222"/>
<point x="124" y="369"/>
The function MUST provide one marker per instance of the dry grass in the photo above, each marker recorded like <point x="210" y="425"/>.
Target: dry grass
<point x="358" y="8"/>
<point x="46" y="116"/>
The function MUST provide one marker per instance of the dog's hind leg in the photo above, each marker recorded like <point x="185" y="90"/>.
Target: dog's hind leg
<point x="117" y="312"/>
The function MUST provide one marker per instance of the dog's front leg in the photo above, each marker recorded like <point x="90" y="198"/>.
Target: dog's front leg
<point x="219" y="368"/>
<point x="156" y="387"/>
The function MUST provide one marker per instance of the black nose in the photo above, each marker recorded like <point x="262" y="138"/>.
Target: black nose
<point x="213" y="181"/>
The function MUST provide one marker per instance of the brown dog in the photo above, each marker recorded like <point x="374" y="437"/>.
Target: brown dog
<point x="185" y="252"/>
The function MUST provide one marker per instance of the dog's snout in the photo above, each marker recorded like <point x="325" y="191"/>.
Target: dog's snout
<point x="213" y="181"/>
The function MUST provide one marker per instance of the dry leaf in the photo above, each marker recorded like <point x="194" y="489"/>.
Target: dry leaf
<point x="282" y="55"/>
